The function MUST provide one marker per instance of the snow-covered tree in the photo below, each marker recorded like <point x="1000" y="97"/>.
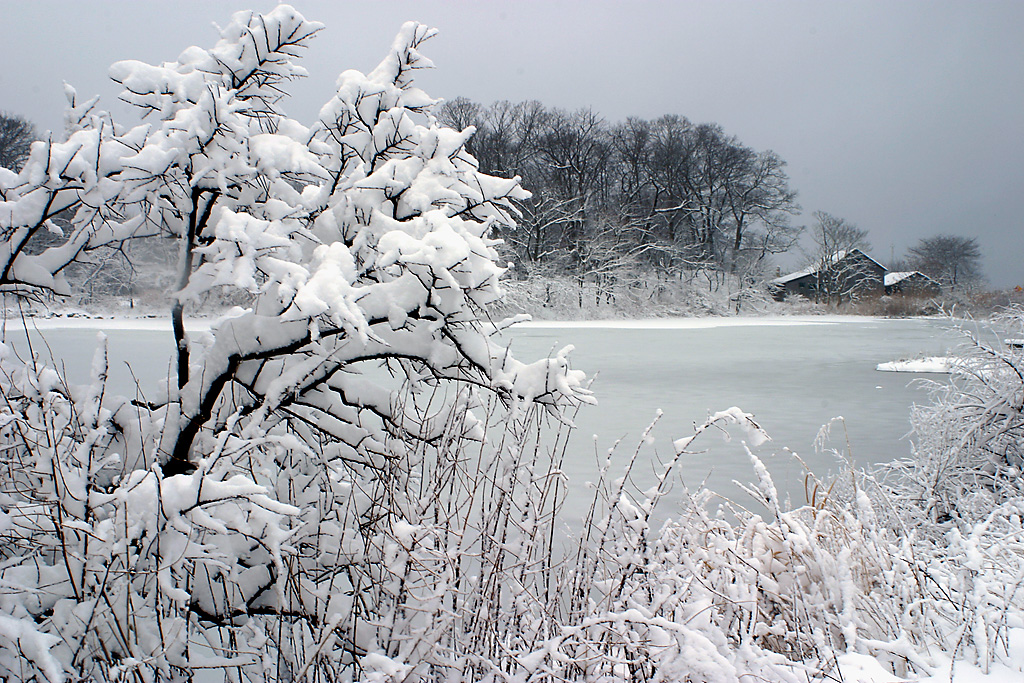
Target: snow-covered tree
<point x="969" y="440"/>
<point x="245" y="515"/>
<point x="842" y="270"/>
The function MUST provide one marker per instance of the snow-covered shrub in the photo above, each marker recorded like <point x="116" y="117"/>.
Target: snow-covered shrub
<point x="777" y="591"/>
<point x="108" y="560"/>
<point x="960" y="497"/>
<point x="279" y="507"/>
<point x="637" y="294"/>
<point x="968" y="442"/>
<point x="728" y="593"/>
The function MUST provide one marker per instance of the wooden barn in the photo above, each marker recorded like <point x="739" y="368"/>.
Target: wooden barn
<point x="843" y="276"/>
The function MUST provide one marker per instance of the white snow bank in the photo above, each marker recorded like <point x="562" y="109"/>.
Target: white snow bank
<point x="1008" y="667"/>
<point x="937" y="364"/>
<point x="858" y="668"/>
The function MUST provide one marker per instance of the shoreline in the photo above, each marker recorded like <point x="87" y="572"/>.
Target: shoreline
<point x="160" y="323"/>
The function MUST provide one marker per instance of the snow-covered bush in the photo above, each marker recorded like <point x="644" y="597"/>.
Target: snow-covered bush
<point x="270" y="511"/>
<point x="781" y="592"/>
<point x="644" y="294"/>
<point x="730" y="593"/>
<point x="960" y="497"/>
<point x="969" y="440"/>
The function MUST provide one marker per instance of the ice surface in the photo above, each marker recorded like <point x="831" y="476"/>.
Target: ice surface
<point x="704" y="323"/>
<point x="792" y="375"/>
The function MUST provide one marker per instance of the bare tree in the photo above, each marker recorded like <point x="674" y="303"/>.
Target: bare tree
<point x="832" y="235"/>
<point x="536" y="237"/>
<point x="717" y="194"/>
<point x="951" y="260"/>
<point x="462" y="113"/>
<point x="668" y="164"/>
<point x="459" y="113"/>
<point x="16" y="137"/>
<point x="508" y="139"/>
<point x="842" y="268"/>
<point x="574" y="157"/>
<point x="761" y="196"/>
<point x="710" y="163"/>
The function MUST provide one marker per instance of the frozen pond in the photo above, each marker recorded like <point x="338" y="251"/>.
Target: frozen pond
<point x="793" y="378"/>
<point x="793" y="375"/>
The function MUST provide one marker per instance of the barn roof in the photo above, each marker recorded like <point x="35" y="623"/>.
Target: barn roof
<point x="897" y="277"/>
<point x="893" y="278"/>
<point x="794" y="276"/>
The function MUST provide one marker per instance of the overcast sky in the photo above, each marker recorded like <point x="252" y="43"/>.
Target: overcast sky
<point x="906" y="118"/>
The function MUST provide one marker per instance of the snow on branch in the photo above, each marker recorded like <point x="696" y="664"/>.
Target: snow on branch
<point x="246" y="506"/>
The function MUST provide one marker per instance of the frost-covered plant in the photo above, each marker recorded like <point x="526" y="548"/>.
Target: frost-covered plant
<point x="637" y="607"/>
<point x="261" y="512"/>
<point x="960" y="497"/>
<point x="969" y="440"/>
<point x="774" y="591"/>
<point x="109" y="561"/>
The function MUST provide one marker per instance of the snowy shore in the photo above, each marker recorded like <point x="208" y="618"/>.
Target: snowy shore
<point x="157" y="323"/>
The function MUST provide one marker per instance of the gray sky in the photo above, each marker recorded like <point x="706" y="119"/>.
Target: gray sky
<point x="906" y="118"/>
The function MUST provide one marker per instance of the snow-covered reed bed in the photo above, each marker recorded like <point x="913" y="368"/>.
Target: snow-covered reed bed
<point x="457" y="561"/>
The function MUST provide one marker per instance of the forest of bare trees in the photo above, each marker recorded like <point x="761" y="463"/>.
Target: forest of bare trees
<point x="610" y="200"/>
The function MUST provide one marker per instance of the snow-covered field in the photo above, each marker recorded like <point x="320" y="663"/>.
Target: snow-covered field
<point x="856" y="668"/>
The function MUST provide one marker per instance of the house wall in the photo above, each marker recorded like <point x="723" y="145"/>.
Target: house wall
<point x="857" y="276"/>
<point x="804" y="286"/>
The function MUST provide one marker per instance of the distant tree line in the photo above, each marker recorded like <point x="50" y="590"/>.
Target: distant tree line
<point x="666" y="195"/>
<point x="612" y="203"/>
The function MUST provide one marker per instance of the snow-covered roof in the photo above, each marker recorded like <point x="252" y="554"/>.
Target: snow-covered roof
<point x="794" y="276"/>
<point x="897" y="277"/>
<point x="893" y="278"/>
<point x="840" y="255"/>
<point x="831" y="260"/>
